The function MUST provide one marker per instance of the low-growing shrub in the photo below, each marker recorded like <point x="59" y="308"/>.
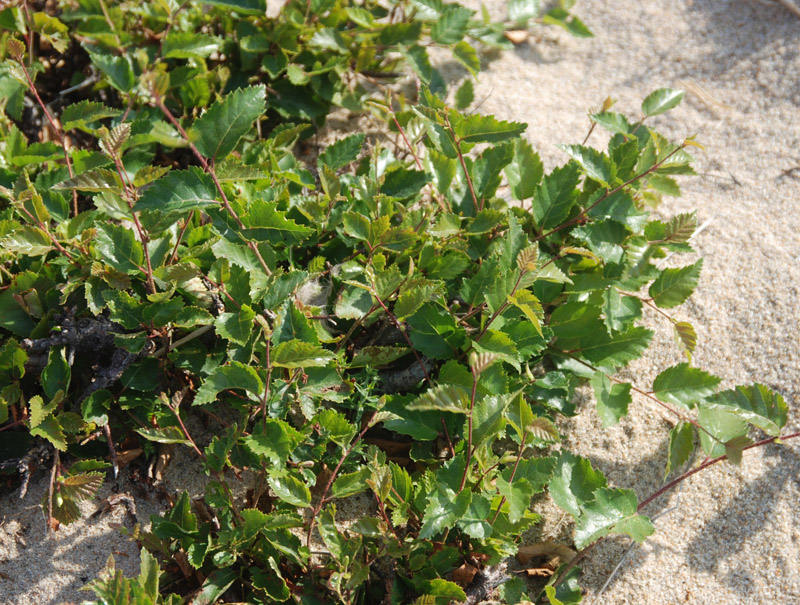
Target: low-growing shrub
<point x="397" y="319"/>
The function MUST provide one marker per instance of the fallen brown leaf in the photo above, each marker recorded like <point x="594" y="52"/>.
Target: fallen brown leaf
<point x="464" y="575"/>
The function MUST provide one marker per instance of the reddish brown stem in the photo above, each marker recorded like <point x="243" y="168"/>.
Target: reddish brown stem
<point x="513" y="473"/>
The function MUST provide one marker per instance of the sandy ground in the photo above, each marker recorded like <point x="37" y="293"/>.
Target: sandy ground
<point x="733" y="536"/>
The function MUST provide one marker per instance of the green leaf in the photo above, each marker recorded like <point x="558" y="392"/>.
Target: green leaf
<point x="555" y="196"/>
<point x="117" y="68"/>
<point x="602" y="349"/>
<point x="442" y="589"/>
<point x="377" y="356"/>
<point x="356" y="225"/>
<point x="179" y="191"/>
<point x="611" y="511"/>
<point x="80" y="115"/>
<point x="434" y="331"/>
<point x="244" y="7"/>
<point x="574" y="319"/>
<point x="477" y="128"/>
<point x="499" y="344"/>
<point x="442" y="398"/>
<point x="487" y="418"/>
<point x="274" y="439"/>
<point x="686" y="337"/>
<point x="349" y="484"/>
<point x="188" y="45"/>
<point x="574" y="483"/>
<point x="233" y="376"/>
<point x="525" y="171"/>
<point x="39" y="411"/>
<point x="236" y="327"/>
<point x="265" y="223"/>
<point x="719" y="427"/>
<point x="50" y="429"/>
<point x="56" y="374"/>
<point x="620" y="311"/>
<point x="465" y="53"/>
<point x="27" y="240"/>
<point x="119" y="248"/>
<point x="674" y="286"/>
<point x="410" y="300"/>
<point x="661" y="100"/>
<point x="403" y="183"/>
<point x="684" y="386"/>
<point x="451" y="25"/>
<point x="518" y="495"/>
<point x="217" y="132"/>
<point x="681" y="444"/>
<point x="167" y="434"/>
<point x="613" y="122"/>
<point x="290" y="490"/>
<point x="215" y="585"/>
<point x="342" y="152"/>
<point x="299" y="354"/>
<point x="612" y="400"/>
<point x="444" y="509"/>
<point x="756" y="404"/>
<point x="596" y="165"/>
<point x="95" y="181"/>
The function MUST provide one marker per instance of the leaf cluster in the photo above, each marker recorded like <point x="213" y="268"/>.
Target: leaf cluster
<point x="393" y="320"/>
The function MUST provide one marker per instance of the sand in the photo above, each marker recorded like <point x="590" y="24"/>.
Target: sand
<point x="733" y="535"/>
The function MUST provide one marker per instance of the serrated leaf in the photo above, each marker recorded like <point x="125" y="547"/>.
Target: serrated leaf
<point x="342" y="152"/>
<point x="756" y="404"/>
<point x="298" y="354"/>
<point x="525" y="171"/>
<point x="187" y="45"/>
<point x="233" y="376"/>
<point x="81" y="486"/>
<point x="478" y="128"/>
<point x="451" y="25"/>
<point x="612" y="399"/>
<point x="50" y="429"/>
<point x="403" y="183"/>
<point x="518" y="495"/>
<point x="443" y="511"/>
<point x="603" y="349"/>
<point x="265" y="223"/>
<point x="718" y="426"/>
<point x="274" y="439"/>
<point x="613" y="122"/>
<point x="681" y="444"/>
<point x="237" y="326"/>
<point x="39" y="411"/>
<point x="410" y="300"/>
<point x="674" y="286"/>
<point x="686" y="337"/>
<point x="442" y="398"/>
<point x="217" y="132"/>
<point x="619" y="312"/>
<point x="596" y="165"/>
<point x="290" y="490"/>
<point x="180" y="191"/>
<point x="377" y="356"/>
<point x="434" y="331"/>
<point x="119" y="248"/>
<point x="684" y="386"/>
<point x="95" y="181"/>
<point x="56" y="374"/>
<point x="574" y="483"/>
<point x="543" y="428"/>
<point x="245" y="7"/>
<point x="80" y="115"/>
<point x="555" y="196"/>
<point x="27" y="240"/>
<point x="611" y="511"/>
<point x="661" y="100"/>
<point x="168" y="434"/>
<point x="114" y="140"/>
<point x="465" y="53"/>
<point x="118" y="69"/>
<point x="349" y="484"/>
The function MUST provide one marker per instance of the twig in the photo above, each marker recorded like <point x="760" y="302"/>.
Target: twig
<point x="790" y="6"/>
